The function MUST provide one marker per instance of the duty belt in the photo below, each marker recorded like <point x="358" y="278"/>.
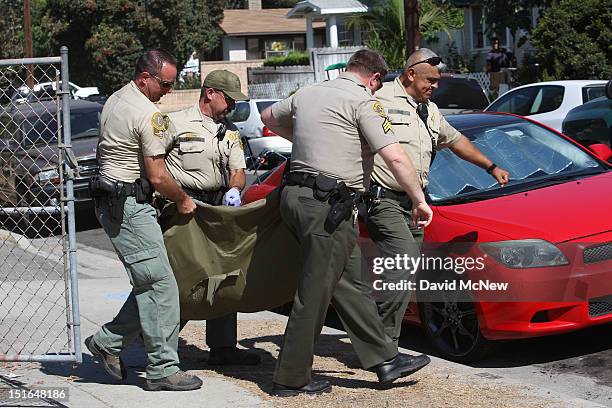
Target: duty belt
<point x="100" y="186"/>
<point x="298" y="178"/>
<point x="212" y="197"/>
<point x="379" y="191"/>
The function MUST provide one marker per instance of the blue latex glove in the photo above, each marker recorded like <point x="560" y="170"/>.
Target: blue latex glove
<point x="232" y="197"/>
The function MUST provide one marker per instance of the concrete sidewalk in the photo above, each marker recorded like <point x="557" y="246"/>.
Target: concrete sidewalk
<point x="103" y="286"/>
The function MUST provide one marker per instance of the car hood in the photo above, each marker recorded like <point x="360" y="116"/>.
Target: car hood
<point x="559" y="213"/>
<point x="49" y="156"/>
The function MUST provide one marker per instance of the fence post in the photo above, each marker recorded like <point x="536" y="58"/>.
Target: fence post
<point x="72" y="261"/>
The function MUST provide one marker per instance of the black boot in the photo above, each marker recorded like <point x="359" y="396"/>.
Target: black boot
<point x="312" y="388"/>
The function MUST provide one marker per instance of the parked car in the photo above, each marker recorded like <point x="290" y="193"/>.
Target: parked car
<point x="548" y="102"/>
<point x="592" y="122"/>
<point x="455" y="93"/>
<point x="47" y="90"/>
<point x="547" y="234"/>
<point x="29" y="155"/>
<point x="247" y="117"/>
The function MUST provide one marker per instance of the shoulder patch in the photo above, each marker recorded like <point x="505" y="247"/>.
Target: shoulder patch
<point x="160" y="122"/>
<point x="378" y="108"/>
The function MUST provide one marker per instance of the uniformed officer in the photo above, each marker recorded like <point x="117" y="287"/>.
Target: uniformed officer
<point x="336" y="127"/>
<point x="207" y="161"/>
<point x="421" y="130"/>
<point x="131" y="153"/>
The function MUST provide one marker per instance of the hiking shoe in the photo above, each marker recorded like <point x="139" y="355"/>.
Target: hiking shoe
<point x="179" y="381"/>
<point x="113" y="364"/>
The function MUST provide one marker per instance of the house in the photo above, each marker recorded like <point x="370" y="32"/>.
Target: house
<point x="252" y="34"/>
<point x="473" y="41"/>
<point x="256" y="33"/>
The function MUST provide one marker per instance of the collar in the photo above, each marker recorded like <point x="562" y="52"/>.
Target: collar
<point x="195" y="115"/>
<point x="353" y="78"/>
<point x="400" y="92"/>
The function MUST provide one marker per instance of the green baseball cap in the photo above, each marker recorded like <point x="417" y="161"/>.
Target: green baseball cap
<point x="225" y="81"/>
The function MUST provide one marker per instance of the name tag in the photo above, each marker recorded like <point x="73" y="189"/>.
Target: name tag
<point x="398" y="111"/>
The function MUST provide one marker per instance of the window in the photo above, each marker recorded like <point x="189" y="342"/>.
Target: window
<point x="530" y="101"/>
<point x="591" y="92"/>
<point x="517" y="102"/>
<point x="240" y="113"/>
<point x="263" y="105"/>
<point x="253" y="49"/>
<point x="277" y="47"/>
<point x="459" y="93"/>
<point x="548" y="99"/>
<point x="345" y="35"/>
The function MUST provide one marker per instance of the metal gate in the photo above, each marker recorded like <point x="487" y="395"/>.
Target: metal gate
<point x="39" y="310"/>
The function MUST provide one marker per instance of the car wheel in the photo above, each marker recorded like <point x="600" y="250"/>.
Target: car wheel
<point x="450" y="322"/>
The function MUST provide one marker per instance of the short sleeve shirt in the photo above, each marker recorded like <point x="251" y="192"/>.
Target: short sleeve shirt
<point x="337" y="127"/>
<point x="413" y="136"/>
<point x="197" y="154"/>
<point x="131" y="127"/>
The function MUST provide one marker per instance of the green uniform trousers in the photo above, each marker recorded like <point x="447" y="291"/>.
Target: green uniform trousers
<point x="153" y="304"/>
<point x="388" y="223"/>
<point x="331" y="267"/>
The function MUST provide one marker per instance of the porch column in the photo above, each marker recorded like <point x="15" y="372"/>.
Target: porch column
<point x="332" y="32"/>
<point x="309" y="32"/>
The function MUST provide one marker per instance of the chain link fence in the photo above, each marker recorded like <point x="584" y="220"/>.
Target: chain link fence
<point x="39" y="318"/>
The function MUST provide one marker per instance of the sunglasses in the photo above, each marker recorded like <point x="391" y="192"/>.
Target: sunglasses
<point x="228" y="100"/>
<point x="162" y="83"/>
<point x="431" y="61"/>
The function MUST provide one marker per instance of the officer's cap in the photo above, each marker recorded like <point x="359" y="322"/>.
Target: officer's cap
<point x="225" y="81"/>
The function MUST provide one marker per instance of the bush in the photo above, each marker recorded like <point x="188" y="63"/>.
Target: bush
<point x="293" y="58"/>
<point x="572" y="40"/>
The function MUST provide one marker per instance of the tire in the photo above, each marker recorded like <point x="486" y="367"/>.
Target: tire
<point x="450" y="322"/>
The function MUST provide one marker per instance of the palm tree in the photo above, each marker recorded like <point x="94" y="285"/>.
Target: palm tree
<point x="385" y="26"/>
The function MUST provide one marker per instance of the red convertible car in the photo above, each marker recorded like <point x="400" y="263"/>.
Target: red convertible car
<point x="544" y="241"/>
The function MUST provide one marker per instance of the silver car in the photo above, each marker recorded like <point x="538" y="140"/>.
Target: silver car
<point x="247" y="117"/>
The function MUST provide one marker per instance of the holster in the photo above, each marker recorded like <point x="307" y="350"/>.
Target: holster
<point x="101" y="187"/>
<point x="342" y="204"/>
<point x="144" y="191"/>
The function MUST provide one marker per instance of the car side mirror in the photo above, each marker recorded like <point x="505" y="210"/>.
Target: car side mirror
<point x="601" y="150"/>
<point x="609" y="89"/>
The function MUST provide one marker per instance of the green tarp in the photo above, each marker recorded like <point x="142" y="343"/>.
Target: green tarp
<point x="231" y="259"/>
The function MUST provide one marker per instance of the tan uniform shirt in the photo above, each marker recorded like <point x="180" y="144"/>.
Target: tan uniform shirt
<point x="412" y="133"/>
<point x="130" y="127"/>
<point x="337" y="127"/>
<point x="197" y="155"/>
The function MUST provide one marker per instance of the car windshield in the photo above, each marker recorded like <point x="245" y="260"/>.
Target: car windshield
<point x="456" y="93"/>
<point x="263" y="105"/>
<point x="533" y="155"/>
<point x="43" y="129"/>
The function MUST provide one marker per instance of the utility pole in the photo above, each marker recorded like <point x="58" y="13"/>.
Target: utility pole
<point x="27" y="29"/>
<point x="413" y="35"/>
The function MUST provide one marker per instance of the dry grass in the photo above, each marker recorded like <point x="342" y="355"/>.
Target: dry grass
<point x="352" y="386"/>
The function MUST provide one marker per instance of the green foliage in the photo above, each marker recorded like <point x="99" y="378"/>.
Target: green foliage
<point x="293" y="58"/>
<point x="12" y="33"/>
<point x="513" y="14"/>
<point x="106" y="37"/>
<point x="459" y="63"/>
<point x="573" y="40"/>
<point x="385" y="24"/>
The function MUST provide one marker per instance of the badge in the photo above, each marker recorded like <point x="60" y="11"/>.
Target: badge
<point x="378" y="108"/>
<point x="160" y="124"/>
<point x="386" y="125"/>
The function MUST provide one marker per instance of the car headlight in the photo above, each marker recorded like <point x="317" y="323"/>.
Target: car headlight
<point x="48" y="176"/>
<point x="525" y="253"/>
